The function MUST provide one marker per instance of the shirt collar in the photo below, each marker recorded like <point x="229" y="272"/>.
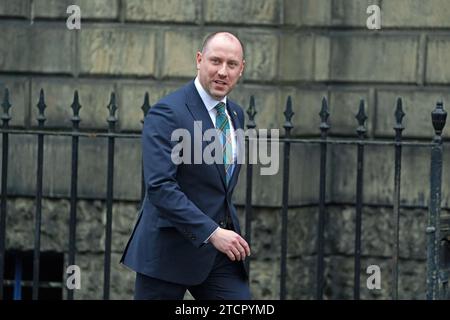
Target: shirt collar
<point x="209" y="101"/>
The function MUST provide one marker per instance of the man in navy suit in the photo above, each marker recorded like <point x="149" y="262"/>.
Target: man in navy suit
<point x="187" y="236"/>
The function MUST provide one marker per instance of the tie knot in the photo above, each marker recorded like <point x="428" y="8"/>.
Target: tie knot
<point x="220" y="107"/>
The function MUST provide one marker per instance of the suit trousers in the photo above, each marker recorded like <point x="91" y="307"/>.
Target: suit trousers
<point x="227" y="281"/>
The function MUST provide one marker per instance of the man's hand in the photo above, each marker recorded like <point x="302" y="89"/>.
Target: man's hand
<point x="230" y="243"/>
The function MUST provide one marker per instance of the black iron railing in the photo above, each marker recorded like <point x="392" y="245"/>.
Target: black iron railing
<point x="437" y="270"/>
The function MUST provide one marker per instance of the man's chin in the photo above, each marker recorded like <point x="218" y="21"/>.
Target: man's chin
<point x="218" y="95"/>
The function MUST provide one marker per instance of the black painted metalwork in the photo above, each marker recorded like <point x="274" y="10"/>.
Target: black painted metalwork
<point x="6" y="105"/>
<point x="361" y="131"/>
<point x="251" y="112"/>
<point x="145" y="108"/>
<point x="73" y="187"/>
<point x="324" y="127"/>
<point x="437" y="248"/>
<point x="438" y="117"/>
<point x="39" y="180"/>
<point x="288" y="113"/>
<point x="112" y="119"/>
<point x="399" y="114"/>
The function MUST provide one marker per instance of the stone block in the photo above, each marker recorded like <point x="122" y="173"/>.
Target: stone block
<point x="437" y="70"/>
<point x="92" y="276"/>
<point x="22" y="165"/>
<point x="266" y="98"/>
<point x="340" y="279"/>
<point x="94" y="97"/>
<point x="296" y="57"/>
<point x="18" y="8"/>
<point x="117" y="51"/>
<point x="265" y="279"/>
<point x="377" y="232"/>
<point x="248" y="12"/>
<point x="127" y="163"/>
<point x="92" y="167"/>
<point x="417" y="106"/>
<point x="416" y="14"/>
<point x="352" y="13"/>
<point x="344" y="105"/>
<point x="266" y="231"/>
<point x="132" y="98"/>
<point x="58" y="53"/>
<point x="18" y="98"/>
<point x="122" y="279"/>
<point x="180" y="48"/>
<point x="306" y="105"/>
<point x="307" y="12"/>
<point x="128" y="169"/>
<point x="14" y="56"/>
<point x="91" y="226"/>
<point x="170" y="11"/>
<point x="379" y="175"/>
<point x="322" y="53"/>
<point x="261" y="49"/>
<point x="373" y="57"/>
<point x="303" y="178"/>
<point x="99" y="9"/>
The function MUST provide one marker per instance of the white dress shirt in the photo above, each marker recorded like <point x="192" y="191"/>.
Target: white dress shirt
<point x="210" y="104"/>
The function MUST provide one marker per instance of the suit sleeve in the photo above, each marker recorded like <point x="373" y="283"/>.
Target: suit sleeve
<point x="160" y="175"/>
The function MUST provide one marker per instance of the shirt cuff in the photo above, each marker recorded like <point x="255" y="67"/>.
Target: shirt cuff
<point x="207" y="239"/>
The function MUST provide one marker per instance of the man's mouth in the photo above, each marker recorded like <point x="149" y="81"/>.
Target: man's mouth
<point x="219" y="82"/>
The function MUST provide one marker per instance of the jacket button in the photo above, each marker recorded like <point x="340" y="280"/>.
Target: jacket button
<point x="222" y="224"/>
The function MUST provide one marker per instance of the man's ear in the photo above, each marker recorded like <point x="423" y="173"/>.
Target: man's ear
<point x="243" y="67"/>
<point x="198" y="59"/>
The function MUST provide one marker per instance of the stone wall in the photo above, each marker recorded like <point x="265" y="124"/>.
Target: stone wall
<point x="377" y="247"/>
<point x="304" y="48"/>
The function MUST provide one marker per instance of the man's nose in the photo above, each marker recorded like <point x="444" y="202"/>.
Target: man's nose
<point x="223" y="70"/>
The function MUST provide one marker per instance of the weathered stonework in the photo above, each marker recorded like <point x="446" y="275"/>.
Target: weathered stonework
<point x="305" y="49"/>
<point x="377" y="247"/>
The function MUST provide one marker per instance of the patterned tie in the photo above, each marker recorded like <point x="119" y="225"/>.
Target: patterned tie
<point x="223" y="126"/>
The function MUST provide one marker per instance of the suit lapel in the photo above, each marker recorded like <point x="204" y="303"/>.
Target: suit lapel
<point x="237" y="125"/>
<point x="199" y="112"/>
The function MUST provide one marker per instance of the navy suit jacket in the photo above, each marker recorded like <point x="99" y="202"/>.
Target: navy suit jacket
<point x="183" y="203"/>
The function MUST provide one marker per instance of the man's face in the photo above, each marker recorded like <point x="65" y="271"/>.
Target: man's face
<point x="220" y="65"/>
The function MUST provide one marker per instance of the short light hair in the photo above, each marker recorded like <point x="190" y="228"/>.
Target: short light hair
<point x="210" y="36"/>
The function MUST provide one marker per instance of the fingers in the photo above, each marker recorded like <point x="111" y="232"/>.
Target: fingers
<point x="241" y="249"/>
<point x="242" y="252"/>
<point x="230" y="255"/>
<point x="236" y="253"/>
<point x="245" y="246"/>
<point x="237" y="248"/>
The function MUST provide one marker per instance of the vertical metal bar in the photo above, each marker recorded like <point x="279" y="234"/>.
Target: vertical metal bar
<point x="399" y="114"/>
<point x="361" y="130"/>
<point x="5" y="147"/>
<point x="444" y="269"/>
<point x="285" y="198"/>
<point x="38" y="219"/>
<point x="145" y="107"/>
<point x="438" y="116"/>
<point x="73" y="187"/>
<point x="249" y="180"/>
<point x="324" y="127"/>
<point x="109" y="195"/>
<point x="17" y="294"/>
